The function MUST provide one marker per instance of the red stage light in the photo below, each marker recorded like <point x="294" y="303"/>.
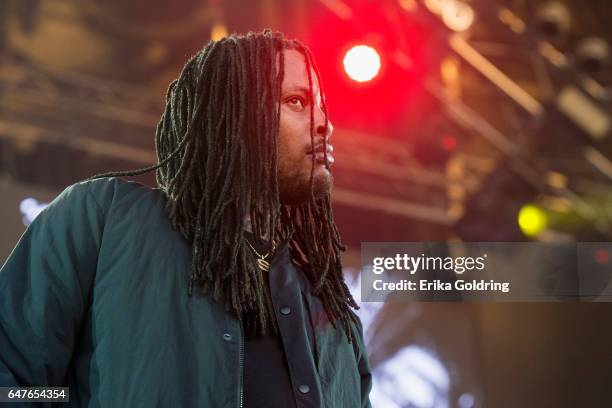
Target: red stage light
<point x="394" y="97"/>
<point x="361" y="63"/>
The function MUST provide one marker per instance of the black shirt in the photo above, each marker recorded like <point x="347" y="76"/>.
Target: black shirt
<point x="266" y="374"/>
<point x="281" y="371"/>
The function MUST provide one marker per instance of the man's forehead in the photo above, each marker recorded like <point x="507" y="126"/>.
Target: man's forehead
<point x="295" y="77"/>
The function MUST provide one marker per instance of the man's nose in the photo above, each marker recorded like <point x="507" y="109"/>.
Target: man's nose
<point x="324" y="130"/>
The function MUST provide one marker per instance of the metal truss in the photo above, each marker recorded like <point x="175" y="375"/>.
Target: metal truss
<point x="536" y="96"/>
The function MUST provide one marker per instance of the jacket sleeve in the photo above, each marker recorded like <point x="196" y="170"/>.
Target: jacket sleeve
<point x="44" y="289"/>
<point x="363" y="366"/>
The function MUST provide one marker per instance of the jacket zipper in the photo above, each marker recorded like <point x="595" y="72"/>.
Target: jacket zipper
<point x="241" y="359"/>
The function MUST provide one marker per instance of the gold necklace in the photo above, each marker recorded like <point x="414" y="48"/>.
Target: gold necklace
<point x="261" y="260"/>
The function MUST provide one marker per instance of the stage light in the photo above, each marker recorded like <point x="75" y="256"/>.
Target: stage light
<point x="30" y="208"/>
<point x="532" y="220"/>
<point x="361" y="63"/>
<point x="466" y="400"/>
<point x="457" y="15"/>
<point x="553" y="19"/>
<point x="436" y="6"/>
<point x="593" y="55"/>
<point x="408" y="5"/>
<point x="218" y="31"/>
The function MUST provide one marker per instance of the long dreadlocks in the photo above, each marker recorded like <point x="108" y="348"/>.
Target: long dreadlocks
<point x="216" y="150"/>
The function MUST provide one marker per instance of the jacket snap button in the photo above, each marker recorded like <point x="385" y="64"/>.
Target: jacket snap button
<point x="227" y="336"/>
<point x="304" y="389"/>
<point x="285" y="310"/>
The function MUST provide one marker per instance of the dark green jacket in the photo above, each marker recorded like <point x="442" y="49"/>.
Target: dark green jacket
<point x="94" y="297"/>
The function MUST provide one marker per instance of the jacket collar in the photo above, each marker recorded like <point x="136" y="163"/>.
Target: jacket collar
<point x="285" y="273"/>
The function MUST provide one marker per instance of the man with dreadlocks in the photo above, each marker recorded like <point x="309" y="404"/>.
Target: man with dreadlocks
<point x="222" y="287"/>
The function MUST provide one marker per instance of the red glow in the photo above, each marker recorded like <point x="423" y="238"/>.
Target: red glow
<point x="602" y="256"/>
<point x="394" y="98"/>
<point x="449" y="143"/>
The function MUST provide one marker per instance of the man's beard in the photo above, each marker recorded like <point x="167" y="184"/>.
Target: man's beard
<point x="294" y="189"/>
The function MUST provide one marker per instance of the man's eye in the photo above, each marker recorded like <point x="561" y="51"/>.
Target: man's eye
<point x="296" y="101"/>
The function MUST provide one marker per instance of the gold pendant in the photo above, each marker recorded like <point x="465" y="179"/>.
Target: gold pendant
<point x="263" y="264"/>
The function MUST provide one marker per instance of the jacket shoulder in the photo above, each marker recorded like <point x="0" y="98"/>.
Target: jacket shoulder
<point x="108" y="191"/>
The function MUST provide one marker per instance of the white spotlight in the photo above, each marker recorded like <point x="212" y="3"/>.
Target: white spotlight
<point x="553" y="19"/>
<point x="593" y="54"/>
<point x="457" y="15"/>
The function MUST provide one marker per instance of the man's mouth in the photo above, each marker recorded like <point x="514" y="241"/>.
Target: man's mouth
<point x="320" y="154"/>
<point x="320" y="158"/>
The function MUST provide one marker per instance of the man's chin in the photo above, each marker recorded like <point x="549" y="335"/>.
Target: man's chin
<point x="323" y="184"/>
<point x="292" y="194"/>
